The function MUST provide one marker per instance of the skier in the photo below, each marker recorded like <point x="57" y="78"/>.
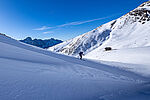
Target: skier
<point x="81" y="54"/>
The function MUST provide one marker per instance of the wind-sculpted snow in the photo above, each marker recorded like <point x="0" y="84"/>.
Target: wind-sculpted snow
<point x="30" y="73"/>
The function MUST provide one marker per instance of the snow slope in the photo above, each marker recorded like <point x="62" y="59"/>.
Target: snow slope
<point x="86" y="42"/>
<point x="130" y="41"/>
<point x="129" y="31"/>
<point x="134" y="59"/>
<point x="30" y="73"/>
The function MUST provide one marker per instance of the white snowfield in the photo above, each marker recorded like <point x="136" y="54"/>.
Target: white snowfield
<point x="30" y="73"/>
<point x="133" y="59"/>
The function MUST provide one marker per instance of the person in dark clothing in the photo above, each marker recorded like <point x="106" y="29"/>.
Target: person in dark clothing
<point x="81" y="54"/>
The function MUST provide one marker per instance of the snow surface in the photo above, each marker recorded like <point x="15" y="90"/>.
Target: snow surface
<point x="134" y="59"/>
<point x="30" y="73"/>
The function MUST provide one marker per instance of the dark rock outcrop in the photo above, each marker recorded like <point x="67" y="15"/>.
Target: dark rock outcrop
<point x="41" y="43"/>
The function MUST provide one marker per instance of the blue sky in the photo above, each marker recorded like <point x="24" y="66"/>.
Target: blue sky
<point x="61" y="19"/>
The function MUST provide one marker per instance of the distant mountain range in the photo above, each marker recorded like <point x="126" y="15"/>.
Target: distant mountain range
<point x="42" y="43"/>
<point x="129" y="31"/>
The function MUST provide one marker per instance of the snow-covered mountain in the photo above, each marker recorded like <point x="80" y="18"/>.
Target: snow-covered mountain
<point x="41" y="43"/>
<point x="128" y="31"/>
<point x="31" y="73"/>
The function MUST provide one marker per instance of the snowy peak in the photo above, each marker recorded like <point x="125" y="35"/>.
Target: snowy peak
<point x="85" y="42"/>
<point x="128" y="31"/>
<point x="145" y="5"/>
<point x="30" y="73"/>
<point x="142" y="13"/>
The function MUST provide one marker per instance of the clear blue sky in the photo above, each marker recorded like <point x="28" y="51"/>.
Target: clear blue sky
<point x="61" y="19"/>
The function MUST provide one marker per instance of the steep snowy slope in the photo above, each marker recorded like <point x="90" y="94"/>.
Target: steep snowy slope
<point x="128" y="31"/>
<point x="85" y="42"/>
<point x="31" y="73"/>
<point x="130" y="41"/>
